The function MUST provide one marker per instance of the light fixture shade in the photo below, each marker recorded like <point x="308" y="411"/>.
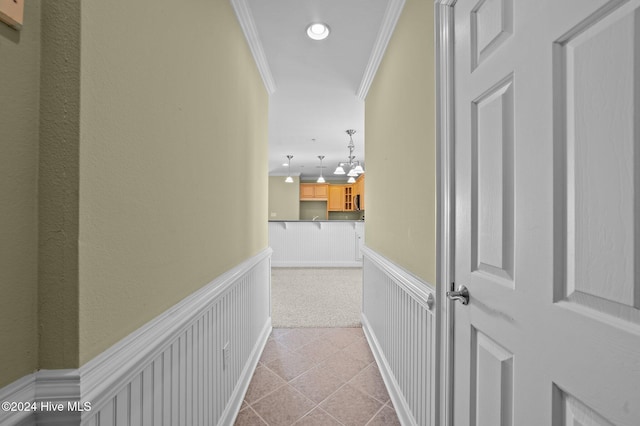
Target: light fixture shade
<point x="289" y="179"/>
<point x="352" y="173"/>
<point x="321" y="178"/>
<point x="339" y="171"/>
<point x="351" y="180"/>
<point x="359" y="169"/>
<point x="318" y="31"/>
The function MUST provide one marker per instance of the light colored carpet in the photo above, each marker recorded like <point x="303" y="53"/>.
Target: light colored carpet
<point x="316" y="297"/>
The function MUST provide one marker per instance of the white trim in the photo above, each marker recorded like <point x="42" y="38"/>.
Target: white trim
<point x="399" y="403"/>
<point x="235" y="402"/>
<point x="57" y="387"/>
<point x="245" y="17"/>
<point x="389" y="21"/>
<point x="100" y="379"/>
<point x="22" y="390"/>
<point x="119" y="364"/>
<point x="414" y="286"/>
<point x="389" y="333"/>
<point x="445" y="224"/>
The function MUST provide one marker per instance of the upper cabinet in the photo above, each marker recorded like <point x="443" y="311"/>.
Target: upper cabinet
<point x="358" y="190"/>
<point x="314" y="191"/>
<point x="336" y="198"/>
<point x="340" y="198"/>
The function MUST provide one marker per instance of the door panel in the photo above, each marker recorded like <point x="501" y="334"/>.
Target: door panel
<point x="547" y="212"/>
<point x="596" y="65"/>
<point x="492" y="180"/>
<point x="491" y="382"/>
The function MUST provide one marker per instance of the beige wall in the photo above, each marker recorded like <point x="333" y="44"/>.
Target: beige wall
<point x="19" y="93"/>
<point x="58" y="185"/>
<point x="400" y="132"/>
<point x="171" y="101"/>
<point x="143" y="111"/>
<point x="284" y="198"/>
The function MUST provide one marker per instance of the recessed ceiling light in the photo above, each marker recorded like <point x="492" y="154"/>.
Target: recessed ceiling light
<point x="318" y="31"/>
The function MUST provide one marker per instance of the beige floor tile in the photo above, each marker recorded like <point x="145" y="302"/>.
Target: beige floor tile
<point x="302" y="367"/>
<point x="316" y="384"/>
<point x="290" y="365"/>
<point x="248" y="417"/>
<point x="298" y="337"/>
<point x="341" y="337"/>
<point x="263" y="382"/>
<point x="351" y="407"/>
<point x="370" y="382"/>
<point x="343" y="366"/>
<point x="277" y="333"/>
<point x="360" y="350"/>
<point x="283" y="407"/>
<point x="318" y="417"/>
<point x="318" y="350"/>
<point x="272" y="350"/>
<point x="385" y="417"/>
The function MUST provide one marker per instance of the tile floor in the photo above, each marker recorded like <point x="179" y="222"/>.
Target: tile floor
<point x="317" y="376"/>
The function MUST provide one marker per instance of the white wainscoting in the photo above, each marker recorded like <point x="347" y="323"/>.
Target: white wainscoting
<point x="399" y="322"/>
<point x="316" y="243"/>
<point x="173" y="370"/>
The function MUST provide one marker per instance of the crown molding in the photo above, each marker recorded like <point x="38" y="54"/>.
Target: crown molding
<point x="243" y="12"/>
<point x="389" y="21"/>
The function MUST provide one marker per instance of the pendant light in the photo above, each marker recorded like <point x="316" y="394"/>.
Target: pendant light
<point x="289" y="179"/>
<point x="321" y="179"/>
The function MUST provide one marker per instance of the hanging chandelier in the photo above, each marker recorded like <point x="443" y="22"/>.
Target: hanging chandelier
<point x="354" y="167"/>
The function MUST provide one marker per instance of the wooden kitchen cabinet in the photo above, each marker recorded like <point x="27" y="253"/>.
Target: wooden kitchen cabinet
<point x="335" y="203"/>
<point x="340" y="198"/>
<point x="358" y="189"/>
<point x="348" y="198"/>
<point x="314" y="191"/>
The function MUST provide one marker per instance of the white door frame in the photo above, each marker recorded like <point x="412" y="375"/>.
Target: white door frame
<point x="445" y="187"/>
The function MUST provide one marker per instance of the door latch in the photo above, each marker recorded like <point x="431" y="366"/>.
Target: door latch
<point x="462" y="294"/>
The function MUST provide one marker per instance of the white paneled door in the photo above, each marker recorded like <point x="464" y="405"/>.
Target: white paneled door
<point x="547" y="212"/>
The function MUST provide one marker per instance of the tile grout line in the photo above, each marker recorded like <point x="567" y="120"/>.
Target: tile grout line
<point x="319" y="338"/>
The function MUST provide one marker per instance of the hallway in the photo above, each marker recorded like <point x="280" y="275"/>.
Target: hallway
<point x="317" y="376"/>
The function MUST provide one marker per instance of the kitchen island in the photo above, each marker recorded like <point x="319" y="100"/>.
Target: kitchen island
<point x="316" y="243"/>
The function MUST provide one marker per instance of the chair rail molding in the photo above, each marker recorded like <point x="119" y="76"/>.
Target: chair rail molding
<point x="190" y="365"/>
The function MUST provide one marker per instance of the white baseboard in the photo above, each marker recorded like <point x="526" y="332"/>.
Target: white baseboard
<point x="22" y="390"/>
<point x="190" y="365"/>
<point x="398" y="319"/>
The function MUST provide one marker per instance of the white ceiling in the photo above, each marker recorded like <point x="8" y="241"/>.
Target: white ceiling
<point x="317" y="86"/>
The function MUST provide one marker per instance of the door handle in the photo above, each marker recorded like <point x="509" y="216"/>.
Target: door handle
<point x="462" y="294"/>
